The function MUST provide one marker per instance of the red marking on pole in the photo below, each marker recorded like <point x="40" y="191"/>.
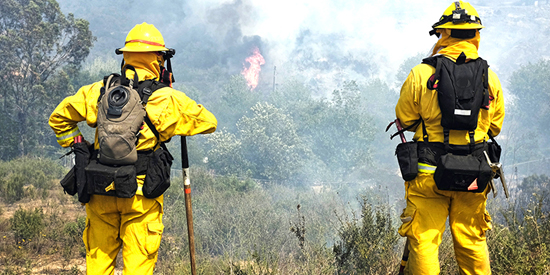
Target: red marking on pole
<point x="187" y="190"/>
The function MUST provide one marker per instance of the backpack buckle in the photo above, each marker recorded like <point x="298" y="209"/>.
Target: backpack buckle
<point x="147" y="91"/>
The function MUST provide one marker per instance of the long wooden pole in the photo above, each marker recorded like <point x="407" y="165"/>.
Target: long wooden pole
<point x="188" y="207"/>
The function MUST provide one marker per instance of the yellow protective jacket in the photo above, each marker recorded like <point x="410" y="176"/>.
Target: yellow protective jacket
<point x="416" y="100"/>
<point x="170" y="111"/>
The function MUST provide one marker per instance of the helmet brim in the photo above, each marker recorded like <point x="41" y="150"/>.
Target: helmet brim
<point x="142" y="47"/>
<point x="460" y="26"/>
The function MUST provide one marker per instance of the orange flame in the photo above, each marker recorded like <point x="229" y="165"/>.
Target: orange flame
<point x="252" y="73"/>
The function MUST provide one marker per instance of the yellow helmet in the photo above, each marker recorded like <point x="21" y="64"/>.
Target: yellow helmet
<point x="459" y="15"/>
<point x="143" y="38"/>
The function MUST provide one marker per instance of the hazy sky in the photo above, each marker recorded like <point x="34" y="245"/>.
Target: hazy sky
<point x="394" y="29"/>
<point x="325" y="39"/>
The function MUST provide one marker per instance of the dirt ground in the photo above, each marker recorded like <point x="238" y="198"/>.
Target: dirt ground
<point x="23" y="259"/>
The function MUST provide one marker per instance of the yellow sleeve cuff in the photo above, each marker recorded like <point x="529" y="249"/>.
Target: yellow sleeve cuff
<point x="67" y="136"/>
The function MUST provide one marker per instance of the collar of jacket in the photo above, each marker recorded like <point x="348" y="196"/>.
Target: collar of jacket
<point x="452" y="47"/>
<point x="147" y="64"/>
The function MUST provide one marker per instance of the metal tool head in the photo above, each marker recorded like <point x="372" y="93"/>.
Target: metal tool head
<point x="503" y="181"/>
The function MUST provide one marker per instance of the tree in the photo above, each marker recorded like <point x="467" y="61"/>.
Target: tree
<point x="40" y="48"/>
<point x="225" y="154"/>
<point x="235" y="100"/>
<point x="271" y="144"/>
<point x="339" y="130"/>
<point x="528" y="115"/>
<point x="266" y="146"/>
<point x="531" y="85"/>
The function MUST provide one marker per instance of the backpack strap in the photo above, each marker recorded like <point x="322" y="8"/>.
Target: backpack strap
<point x="486" y="94"/>
<point x="446" y="132"/>
<point x="425" y="136"/>
<point x="155" y="132"/>
<point x="461" y="59"/>
<point x="435" y="62"/>
<point x="146" y="89"/>
<point x="129" y="82"/>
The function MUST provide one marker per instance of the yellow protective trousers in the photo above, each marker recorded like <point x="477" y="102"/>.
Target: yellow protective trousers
<point x="424" y="223"/>
<point x="133" y="223"/>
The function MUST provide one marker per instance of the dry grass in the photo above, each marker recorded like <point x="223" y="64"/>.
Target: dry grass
<point x="243" y="228"/>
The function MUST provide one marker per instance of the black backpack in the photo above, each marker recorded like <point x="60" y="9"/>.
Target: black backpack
<point x="463" y="90"/>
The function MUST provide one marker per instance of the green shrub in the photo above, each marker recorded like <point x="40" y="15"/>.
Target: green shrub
<point x="12" y="190"/>
<point x="73" y="231"/>
<point x="35" y="173"/>
<point x="521" y="244"/>
<point x="27" y="224"/>
<point x="367" y="245"/>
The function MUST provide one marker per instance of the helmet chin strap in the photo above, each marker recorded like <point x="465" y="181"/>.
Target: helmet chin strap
<point x="119" y="52"/>
<point x="166" y="75"/>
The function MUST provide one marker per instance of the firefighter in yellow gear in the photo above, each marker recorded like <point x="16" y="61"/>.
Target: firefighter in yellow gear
<point x="135" y="224"/>
<point x="428" y="207"/>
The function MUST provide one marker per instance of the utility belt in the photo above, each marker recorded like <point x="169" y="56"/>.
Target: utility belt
<point x="459" y="169"/>
<point x="89" y="176"/>
<point x="430" y="152"/>
<point x="454" y="167"/>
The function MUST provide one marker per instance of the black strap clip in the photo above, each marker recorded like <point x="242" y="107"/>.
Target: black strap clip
<point x="147" y="92"/>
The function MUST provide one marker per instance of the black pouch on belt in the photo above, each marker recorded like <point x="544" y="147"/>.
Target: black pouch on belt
<point x="468" y="173"/>
<point x="69" y="183"/>
<point x="82" y="158"/>
<point x="494" y="150"/>
<point x="407" y="156"/>
<point x="119" y="181"/>
<point x="157" y="179"/>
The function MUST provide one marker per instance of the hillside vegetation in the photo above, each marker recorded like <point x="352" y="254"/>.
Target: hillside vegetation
<point x="243" y="226"/>
<point x="300" y="177"/>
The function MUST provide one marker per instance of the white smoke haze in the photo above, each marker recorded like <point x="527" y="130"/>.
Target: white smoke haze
<point x="321" y="42"/>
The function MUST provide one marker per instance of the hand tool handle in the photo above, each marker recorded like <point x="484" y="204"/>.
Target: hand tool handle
<point x="188" y="206"/>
